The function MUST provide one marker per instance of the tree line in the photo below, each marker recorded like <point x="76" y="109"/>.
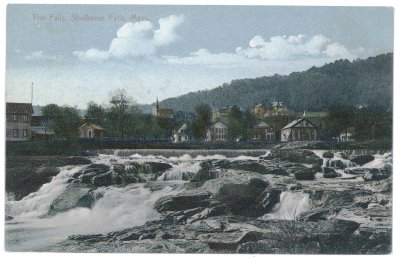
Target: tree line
<point x="368" y="82"/>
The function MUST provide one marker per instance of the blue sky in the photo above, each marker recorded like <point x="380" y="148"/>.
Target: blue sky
<point x="166" y="51"/>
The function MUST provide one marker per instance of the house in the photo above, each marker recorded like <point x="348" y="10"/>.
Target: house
<point x="347" y="135"/>
<point x="259" y="110"/>
<point x="222" y="113"/>
<point x="300" y="129"/>
<point x="91" y="130"/>
<point x="18" y="121"/>
<point x="262" y="132"/>
<point x="161" y="112"/>
<point x="181" y="134"/>
<point x="217" y="132"/>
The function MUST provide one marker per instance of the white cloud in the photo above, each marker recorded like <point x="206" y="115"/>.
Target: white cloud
<point x="138" y="39"/>
<point x="285" y="47"/>
<point x="338" y="50"/>
<point x="41" y="55"/>
<point x="92" y="55"/>
<point x="166" y="34"/>
<point x="205" y="57"/>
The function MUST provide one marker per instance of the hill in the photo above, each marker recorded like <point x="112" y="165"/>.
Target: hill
<point x="367" y="82"/>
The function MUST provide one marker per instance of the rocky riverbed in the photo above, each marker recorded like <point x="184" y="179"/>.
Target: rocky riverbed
<point x="284" y="201"/>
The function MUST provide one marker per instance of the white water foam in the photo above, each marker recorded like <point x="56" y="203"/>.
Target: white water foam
<point x="291" y="204"/>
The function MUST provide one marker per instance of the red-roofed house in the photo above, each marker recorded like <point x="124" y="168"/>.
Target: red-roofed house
<point x="91" y="130"/>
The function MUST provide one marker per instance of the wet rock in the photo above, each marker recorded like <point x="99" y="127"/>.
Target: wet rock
<point x="305" y="174"/>
<point x="205" y="173"/>
<point x="269" y="198"/>
<point x="355" y="171"/>
<point x="250" y="166"/>
<point x="104" y="179"/>
<point x="327" y="154"/>
<point x="238" y="192"/>
<point x="318" y="214"/>
<point x="330" y="173"/>
<point x="294" y="187"/>
<point x="336" y="164"/>
<point x="375" y="174"/>
<point x="295" y="156"/>
<point x="157" y="167"/>
<point x="96" y="168"/>
<point x="316" y="168"/>
<point x="362" y="159"/>
<point x="184" y="200"/>
<point x="75" y="195"/>
<point x="208" y="212"/>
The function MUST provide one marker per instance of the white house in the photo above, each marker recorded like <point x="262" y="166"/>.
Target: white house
<point x="300" y="129"/>
<point x="217" y="132"/>
<point x="181" y="134"/>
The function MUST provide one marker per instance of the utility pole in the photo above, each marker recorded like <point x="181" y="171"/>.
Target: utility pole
<point x="32" y="93"/>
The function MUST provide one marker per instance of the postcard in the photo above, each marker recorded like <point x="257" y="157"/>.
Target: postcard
<point x="199" y="129"/>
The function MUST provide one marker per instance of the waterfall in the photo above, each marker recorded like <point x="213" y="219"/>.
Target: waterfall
<point x="38" y="203"/>
<point x="291" y="204"/>
<point x="180" y="172"/>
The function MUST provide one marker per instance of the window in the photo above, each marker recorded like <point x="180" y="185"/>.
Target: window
<point x="25" y="133"/>
<point x="25" y="118"/>
<point x="15" y="133"/>
<point x="14" y="116"/>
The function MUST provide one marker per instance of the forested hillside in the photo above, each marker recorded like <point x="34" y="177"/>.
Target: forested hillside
<point x="367" y="82"/>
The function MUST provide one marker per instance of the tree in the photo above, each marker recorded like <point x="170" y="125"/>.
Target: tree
<point x="339" y="119"/>
<point x="235" y="123"/>
<point x="201" y="121"/>
<point x="64" y="121"/>
<point x="121" y="113"/>
<point x="95" y="113"/>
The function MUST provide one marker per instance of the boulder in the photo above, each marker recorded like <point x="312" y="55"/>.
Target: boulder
<point x="330" y="173"/>
<point x="327" y="154"/>
<point x="239" y="192"/>
<point x="375" y="174"/>
<point x="75" y="195"/>
<point x="205" y="173"/>
<point x="305" y="174"/>
<point x="184" y="200"/>
<point x="362" y="159"/>
<point x="104" y="179"/>
<point x="250" y="166"/>
<point x="302" y="156"/>
<point x="8" y="217"/>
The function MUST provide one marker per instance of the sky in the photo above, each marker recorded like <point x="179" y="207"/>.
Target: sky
<point x="74" y="54"/>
